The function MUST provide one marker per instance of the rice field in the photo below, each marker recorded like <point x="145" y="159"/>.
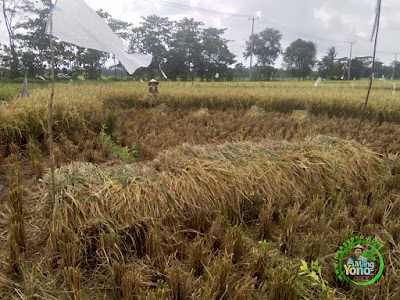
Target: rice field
<point x="223" y="191"/>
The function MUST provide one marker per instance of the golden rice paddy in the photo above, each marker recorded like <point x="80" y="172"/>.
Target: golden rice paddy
<point x="219" y="192"/>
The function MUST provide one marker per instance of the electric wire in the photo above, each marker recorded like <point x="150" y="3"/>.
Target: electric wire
<point x="263" y="21"/>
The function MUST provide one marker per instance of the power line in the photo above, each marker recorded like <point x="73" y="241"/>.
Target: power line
<point x="284" y="28"/>
<point x="182" y="6"/>
<point x="269" y="23"/>
<point x="386" y="52"/>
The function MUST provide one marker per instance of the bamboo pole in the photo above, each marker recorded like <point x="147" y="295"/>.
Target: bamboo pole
<point x="50" y="115"/>
<point x="378" y="15"/>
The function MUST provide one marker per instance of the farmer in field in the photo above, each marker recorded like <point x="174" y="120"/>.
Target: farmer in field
<point x="153" y="92"/>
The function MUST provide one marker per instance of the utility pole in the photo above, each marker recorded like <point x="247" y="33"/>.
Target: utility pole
<point x="394" y="64"/>
<point x="351" y="50"/>
<point x="252" y="44"/>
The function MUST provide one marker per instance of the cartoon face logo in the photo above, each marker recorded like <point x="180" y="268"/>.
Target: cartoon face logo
<point x="359" y="261"/>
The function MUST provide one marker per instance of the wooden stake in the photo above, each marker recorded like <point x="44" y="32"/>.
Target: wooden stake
<point x="50" y="116"/>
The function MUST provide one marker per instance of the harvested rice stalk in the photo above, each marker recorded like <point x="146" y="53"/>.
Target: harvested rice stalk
<point x="184" y="182"/>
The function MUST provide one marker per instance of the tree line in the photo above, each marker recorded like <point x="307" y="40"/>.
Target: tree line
<point x="183" y="49"/>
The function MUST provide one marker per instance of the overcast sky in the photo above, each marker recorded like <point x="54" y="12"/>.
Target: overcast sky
<point x="325" y="22"/>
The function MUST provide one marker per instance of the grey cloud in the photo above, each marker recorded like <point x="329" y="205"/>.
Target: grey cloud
<point x="295" y="19"/>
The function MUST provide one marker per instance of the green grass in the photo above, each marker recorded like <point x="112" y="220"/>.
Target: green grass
<point x="126" y="154"/>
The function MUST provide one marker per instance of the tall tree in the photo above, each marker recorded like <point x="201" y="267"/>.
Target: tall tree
<point x="153" y="36"/>
<point x="266" y="46"/>
<point x="241" y="71"/>
<point x="34" y="42"/>
<point x="92" y="62"/>
<point x="327" y="67"/>
<point x="216" y="55"/>
<point x="5" y="59"/>
<point x="119" y="27"/>
<point x="299" y="58"/>
<point x="14" y="13"/>
<point x="396" y="66"/>
<point x="184" y="57"/>
<point x="357" y="68"/>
